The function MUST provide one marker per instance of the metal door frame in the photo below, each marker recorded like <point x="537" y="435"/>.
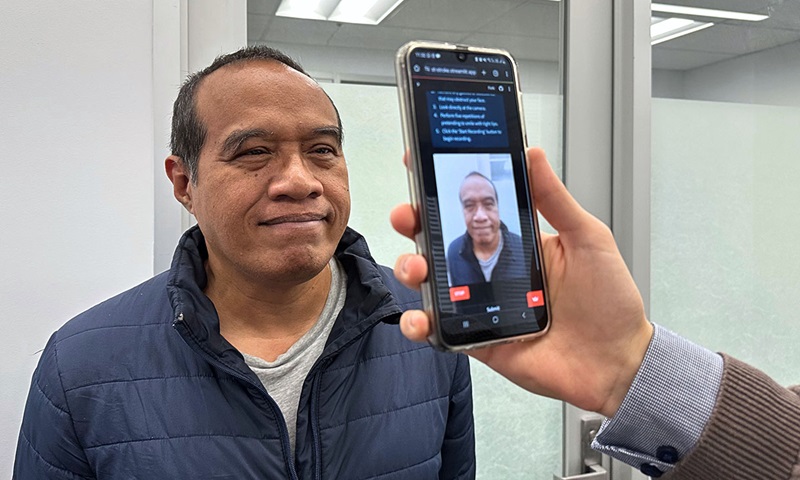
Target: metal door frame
<point x="606" y="76"/>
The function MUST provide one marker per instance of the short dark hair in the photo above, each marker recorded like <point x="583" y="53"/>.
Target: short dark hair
<point x="188" y="132"/>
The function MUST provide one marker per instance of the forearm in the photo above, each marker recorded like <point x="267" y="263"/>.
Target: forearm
<point x="754" y="431"/>
<point x="666" y="408"/>
<point x="718" y="417"/>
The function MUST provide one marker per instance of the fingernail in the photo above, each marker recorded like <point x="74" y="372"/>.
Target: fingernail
<point x="412" y="322"/>
<point x="404" y="265"/>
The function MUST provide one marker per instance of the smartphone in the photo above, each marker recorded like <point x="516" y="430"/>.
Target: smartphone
<point x="462" y="119"/>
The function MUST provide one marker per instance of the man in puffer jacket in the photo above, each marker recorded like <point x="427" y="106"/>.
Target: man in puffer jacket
<point x="269" y="349"/>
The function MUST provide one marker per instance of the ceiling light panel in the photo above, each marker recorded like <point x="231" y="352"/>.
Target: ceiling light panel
<point x="707" y="12"/>
<point x="308" y="9"/>
<point x="663" y="26"/>
<point x="664" y="29"/>
<point x="367" y="12"/>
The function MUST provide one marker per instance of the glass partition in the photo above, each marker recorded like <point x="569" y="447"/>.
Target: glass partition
<point x="725" y="173"/>
<point x="725" y="263"/>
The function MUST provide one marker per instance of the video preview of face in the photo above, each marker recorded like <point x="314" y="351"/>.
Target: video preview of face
<point x="469" y="108"/>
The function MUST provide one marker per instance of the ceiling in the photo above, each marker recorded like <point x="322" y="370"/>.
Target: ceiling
<point x="529" y="29"/>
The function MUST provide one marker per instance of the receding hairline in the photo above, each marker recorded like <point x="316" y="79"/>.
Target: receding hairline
<point x="243" y="63"/>
<point x="478" y="175"/>
<point x="282" y="67"/>
<point x="239" y="65"/>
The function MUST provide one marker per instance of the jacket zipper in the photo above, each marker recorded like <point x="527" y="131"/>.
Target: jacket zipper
<point x="211" y="359"/>
<point x="314" y="407"/>
<point x="316" y="446"/>
<point x="314" y="413"/>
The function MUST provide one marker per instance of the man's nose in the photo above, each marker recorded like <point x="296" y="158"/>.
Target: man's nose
<point x="480" y="214"/>
<point x="295" y="179"/>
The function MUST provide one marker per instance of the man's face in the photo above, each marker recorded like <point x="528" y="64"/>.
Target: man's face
<point x="479" y="205"/>
<point x="271" y="194"/>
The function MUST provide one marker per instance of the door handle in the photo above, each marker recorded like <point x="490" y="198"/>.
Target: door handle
<point x="593" y="470"/>
<point x="596" y="473"/>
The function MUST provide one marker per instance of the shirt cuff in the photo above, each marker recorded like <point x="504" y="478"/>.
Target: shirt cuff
<point x="667" y="407"/>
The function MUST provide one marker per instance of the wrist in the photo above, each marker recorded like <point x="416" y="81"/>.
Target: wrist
<point x="634" y="352"/>
<point x="670" y="402"/>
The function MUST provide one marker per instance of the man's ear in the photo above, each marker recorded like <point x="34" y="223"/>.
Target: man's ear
<point x="178" y="174"/>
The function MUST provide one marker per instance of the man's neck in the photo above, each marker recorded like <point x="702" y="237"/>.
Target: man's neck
<point x="265" y="320"/>
<point x="485" y="251"/>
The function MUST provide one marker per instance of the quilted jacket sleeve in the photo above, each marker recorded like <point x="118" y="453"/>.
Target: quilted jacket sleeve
<point x="48" y="447"/>
<point x="458" y="449"/>
<point x="754" y="431"/>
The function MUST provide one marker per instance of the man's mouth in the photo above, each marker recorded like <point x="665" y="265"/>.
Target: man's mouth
<point x="294" y="218"/>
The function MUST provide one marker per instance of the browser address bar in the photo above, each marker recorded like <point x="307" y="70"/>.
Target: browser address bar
<point x="448" y="70"/>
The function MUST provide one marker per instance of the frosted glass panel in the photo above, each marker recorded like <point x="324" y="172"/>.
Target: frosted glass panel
<point x="726" y="229"/>
<point x="518" y="435"/>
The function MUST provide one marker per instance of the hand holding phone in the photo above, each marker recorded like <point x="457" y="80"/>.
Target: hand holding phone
<point x="461" y="110"/>
<point x="599" y="332"/>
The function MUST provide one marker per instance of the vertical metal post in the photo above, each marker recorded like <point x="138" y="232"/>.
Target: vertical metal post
<point x="631" y="148"/>
<point x="607" y="78"/>
<point x="588" y="81"/>
<point x="588" y="76"/>
<point x="631" y="153"/>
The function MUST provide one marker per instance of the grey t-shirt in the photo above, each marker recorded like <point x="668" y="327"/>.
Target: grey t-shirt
<point x="487" y="266"/>
<point x="284" y="377"/>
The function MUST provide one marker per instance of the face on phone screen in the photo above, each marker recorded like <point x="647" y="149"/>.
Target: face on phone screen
<point x="486" y="274"/>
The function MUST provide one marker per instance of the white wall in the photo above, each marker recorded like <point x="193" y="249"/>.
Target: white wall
<point x="86" y="93"/>
<point x="76" y="189"/>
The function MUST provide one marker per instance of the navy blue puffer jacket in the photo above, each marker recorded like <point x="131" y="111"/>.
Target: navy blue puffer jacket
<point x="143" y="386"/>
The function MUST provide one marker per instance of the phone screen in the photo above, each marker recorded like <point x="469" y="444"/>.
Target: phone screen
<point x="486" y="276"/>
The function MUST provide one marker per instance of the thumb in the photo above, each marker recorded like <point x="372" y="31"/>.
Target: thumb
<point x="550" y="196"/>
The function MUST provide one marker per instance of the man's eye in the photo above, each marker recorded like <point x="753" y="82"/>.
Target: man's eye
<point x="256" y="151"/>
<point x="324" y="151"/>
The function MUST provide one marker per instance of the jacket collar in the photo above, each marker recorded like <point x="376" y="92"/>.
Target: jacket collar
<point x="368" y="298"/>
<point x="467" y="249"/>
